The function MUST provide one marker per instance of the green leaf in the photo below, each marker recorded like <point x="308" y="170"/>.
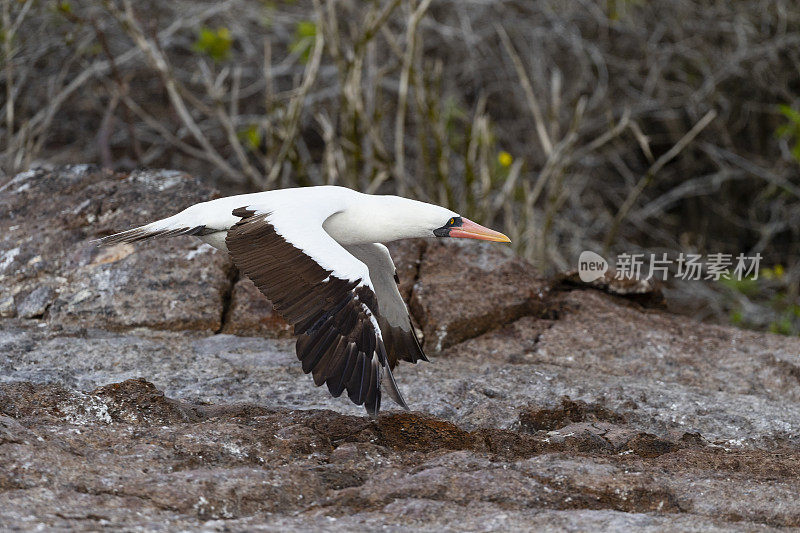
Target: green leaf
<point x="747" y="286"/>
<point x="796" y="150"/>
<point x="784" y="130"/>
<point x="304" y="36"/>
<point x="791" y="129"/>
<point x="306" y="28"/>
<point x="216" y="44"/>
<point x="251" y="137"/>
<point x="783" y="326"/>
<point x="790" y="113"/>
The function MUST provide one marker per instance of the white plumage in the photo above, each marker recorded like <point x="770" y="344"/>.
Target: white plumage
<point x="315" y="253"/>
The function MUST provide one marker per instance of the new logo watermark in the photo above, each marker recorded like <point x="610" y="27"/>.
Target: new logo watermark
<point x="640" y="266"/>
<point x="591" y="266"/>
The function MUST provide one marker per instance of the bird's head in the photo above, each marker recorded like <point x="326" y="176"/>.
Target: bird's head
<point x="394" y="218"/>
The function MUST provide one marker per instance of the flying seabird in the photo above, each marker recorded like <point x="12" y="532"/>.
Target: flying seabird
<point x="316" y="254"/>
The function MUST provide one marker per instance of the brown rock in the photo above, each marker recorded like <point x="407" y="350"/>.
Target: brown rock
<point x="648" y="445"/>
<point x="535" y="419"/>
<point x="407" y="256"/>
<point x="250" y="313"/>
<point x="645" y="292"/>
<point x="141" y="457"/>
<point x="139" y="402"/>
<point x="466" y="289"/>
<point x="409" y="431"/>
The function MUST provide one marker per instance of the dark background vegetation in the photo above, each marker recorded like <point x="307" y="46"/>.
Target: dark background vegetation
<point x="616" y="126"/>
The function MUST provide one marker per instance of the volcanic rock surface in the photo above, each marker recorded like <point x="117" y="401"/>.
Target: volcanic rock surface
<point x="150" y="388"/>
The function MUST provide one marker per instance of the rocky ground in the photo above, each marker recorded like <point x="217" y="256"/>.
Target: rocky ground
<point x="150" y="388"/>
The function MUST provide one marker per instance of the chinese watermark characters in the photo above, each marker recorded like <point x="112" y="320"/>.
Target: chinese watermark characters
<point x="686" y="266"/>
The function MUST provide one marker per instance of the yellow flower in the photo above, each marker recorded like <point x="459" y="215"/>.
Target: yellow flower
<point x="505" y="159"/>
<point x="778" y="271"/>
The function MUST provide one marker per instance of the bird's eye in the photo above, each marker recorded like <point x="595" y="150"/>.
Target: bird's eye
<point x="452" y="221"/>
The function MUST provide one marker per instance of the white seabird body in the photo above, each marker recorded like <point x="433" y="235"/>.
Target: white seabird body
<point x="316" y="254"/>
<point x="350" y="217"/>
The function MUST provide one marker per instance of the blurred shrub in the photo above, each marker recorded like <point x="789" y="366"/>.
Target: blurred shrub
<point x="624" y="124"/>
<point x="768" y="301"/>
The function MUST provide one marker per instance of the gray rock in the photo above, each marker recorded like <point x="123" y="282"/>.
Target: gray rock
<point x="36" y="303"/>
<point x="7" y="307"/>
<point x="48" y="222"/>
<point x="548" y="405"/>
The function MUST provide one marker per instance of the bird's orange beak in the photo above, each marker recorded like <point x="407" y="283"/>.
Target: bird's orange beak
<point x="471" y="230"/>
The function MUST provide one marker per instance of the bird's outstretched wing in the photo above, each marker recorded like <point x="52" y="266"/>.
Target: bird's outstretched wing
<point x="398" y="332"/>
<point x="325" y="292"/>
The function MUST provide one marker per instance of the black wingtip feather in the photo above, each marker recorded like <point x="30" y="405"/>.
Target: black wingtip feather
<point x="336" y="383"/>
<point x="372" y="399"/>
<point x="355" y="386"/>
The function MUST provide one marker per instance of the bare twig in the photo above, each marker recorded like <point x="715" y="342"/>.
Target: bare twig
<point x="9" y="33"/>
<point x="224" y="118"/>
<point x="402" y="97"/>
<point x="668" y="156"/>
<point x="530" y="95"/>
<point x="296" y="105"/>
<point x="159" y="62"/>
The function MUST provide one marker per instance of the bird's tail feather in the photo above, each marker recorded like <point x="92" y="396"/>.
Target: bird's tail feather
<point x="161" y="228"/>
<point x="393" y="391"/>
